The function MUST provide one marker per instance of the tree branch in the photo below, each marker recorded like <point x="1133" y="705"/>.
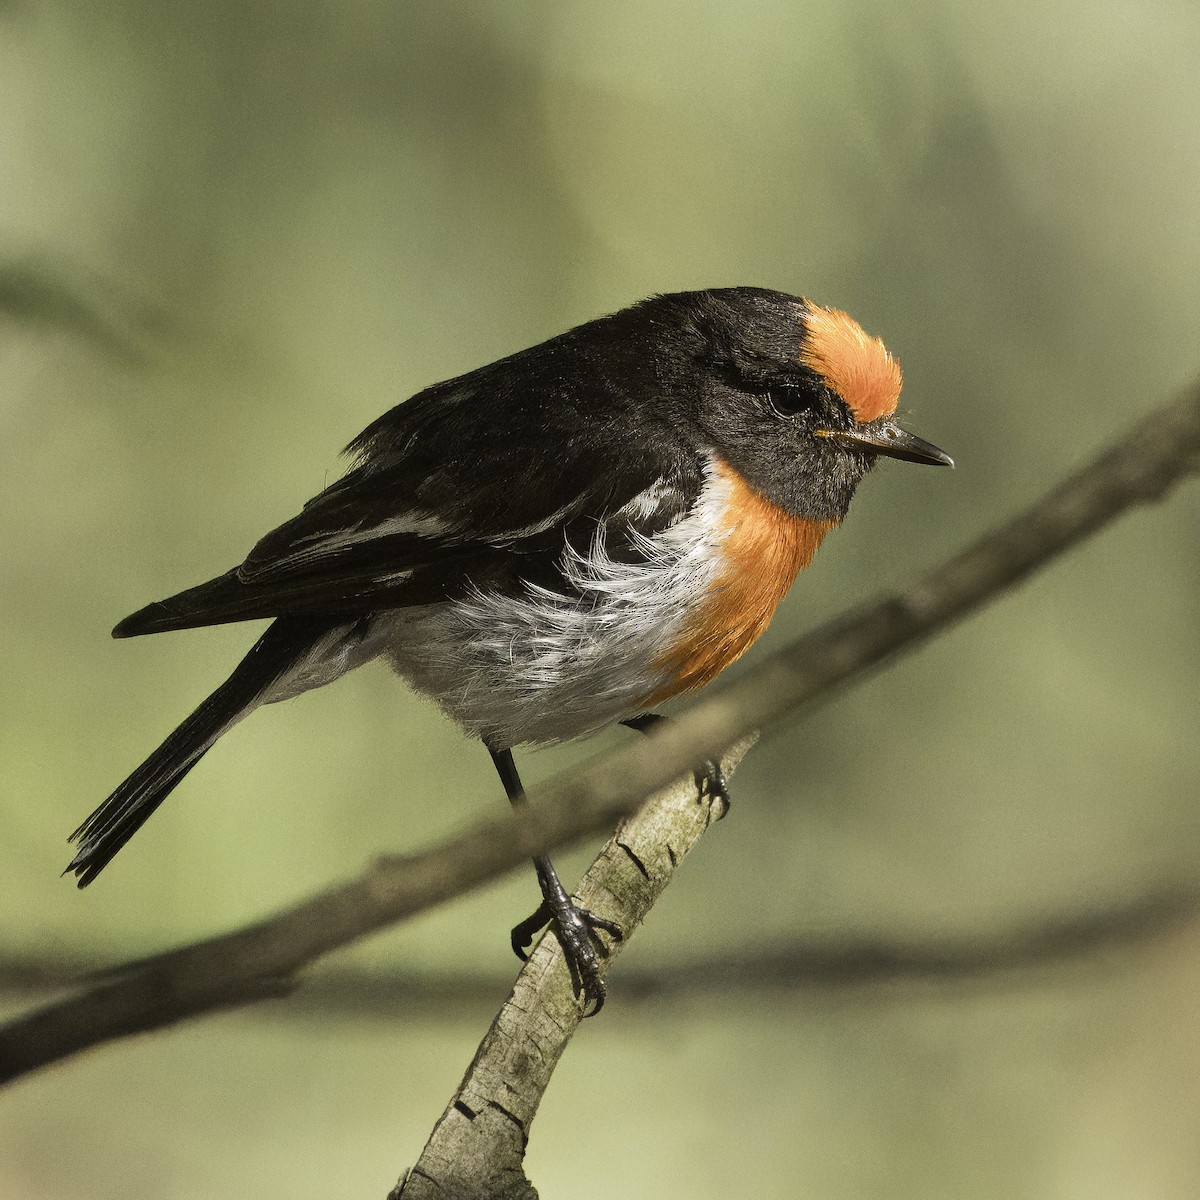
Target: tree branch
<point x="477" y="1148"/>
<point x="263" y="959"/>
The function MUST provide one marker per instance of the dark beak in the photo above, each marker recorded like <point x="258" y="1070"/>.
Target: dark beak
<point x="886" y="437"/>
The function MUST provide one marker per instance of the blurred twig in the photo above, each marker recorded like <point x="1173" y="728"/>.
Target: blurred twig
<point x="827" y="964"/>
<point x="36" y="292"/>
<point x="263" y="959"/>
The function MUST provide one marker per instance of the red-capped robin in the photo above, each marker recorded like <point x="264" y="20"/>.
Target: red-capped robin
<point x="556" y="542"/>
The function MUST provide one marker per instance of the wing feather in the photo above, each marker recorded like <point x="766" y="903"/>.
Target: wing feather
<point x="448" y="492"/>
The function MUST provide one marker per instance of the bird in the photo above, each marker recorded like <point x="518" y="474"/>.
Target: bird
<point x="555" y="543"/>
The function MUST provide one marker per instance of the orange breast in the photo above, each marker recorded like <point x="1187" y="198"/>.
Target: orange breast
<point x="764" y="549"/>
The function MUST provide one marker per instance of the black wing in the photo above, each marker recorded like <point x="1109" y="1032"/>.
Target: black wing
<point x="467" y="484"/>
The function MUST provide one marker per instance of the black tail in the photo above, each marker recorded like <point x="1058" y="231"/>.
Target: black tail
<point x="124" y="812"/>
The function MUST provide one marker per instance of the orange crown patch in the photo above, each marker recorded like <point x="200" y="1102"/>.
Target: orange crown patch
<point x="856" y="365"/>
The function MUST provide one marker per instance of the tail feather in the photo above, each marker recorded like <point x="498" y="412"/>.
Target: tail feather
<point x="127" y="809"/>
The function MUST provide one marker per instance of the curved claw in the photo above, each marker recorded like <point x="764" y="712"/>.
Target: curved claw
<point x="524" y="933"/>
<point x="578" y="931"/>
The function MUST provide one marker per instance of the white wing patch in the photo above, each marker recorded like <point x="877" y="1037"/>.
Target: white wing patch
<point x="315" y="546"/>
<point x="515" y="535"/>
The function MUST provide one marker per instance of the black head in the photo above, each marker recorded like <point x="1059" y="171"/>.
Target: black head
<point x="796" y="397"/>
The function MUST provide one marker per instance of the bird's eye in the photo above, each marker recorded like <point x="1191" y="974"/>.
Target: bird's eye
<point x="791" y="401"/>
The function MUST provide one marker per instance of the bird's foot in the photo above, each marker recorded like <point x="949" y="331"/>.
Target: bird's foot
<point x="711" y="785"/>
<point x="578" y="931"/>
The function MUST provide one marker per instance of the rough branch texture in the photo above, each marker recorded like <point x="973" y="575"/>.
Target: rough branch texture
<point x="263" y="959"/>
<point x="476" y="1150"/>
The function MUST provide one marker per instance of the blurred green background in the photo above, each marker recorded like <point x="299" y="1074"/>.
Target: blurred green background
<point x="232" y="234"/>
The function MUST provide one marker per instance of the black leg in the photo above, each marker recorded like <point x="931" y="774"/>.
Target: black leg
<point x="577" y="929"/>
<point x="710" y="779"/>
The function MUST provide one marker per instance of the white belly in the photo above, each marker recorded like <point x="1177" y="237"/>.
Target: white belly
<point x="544" y="667"/>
